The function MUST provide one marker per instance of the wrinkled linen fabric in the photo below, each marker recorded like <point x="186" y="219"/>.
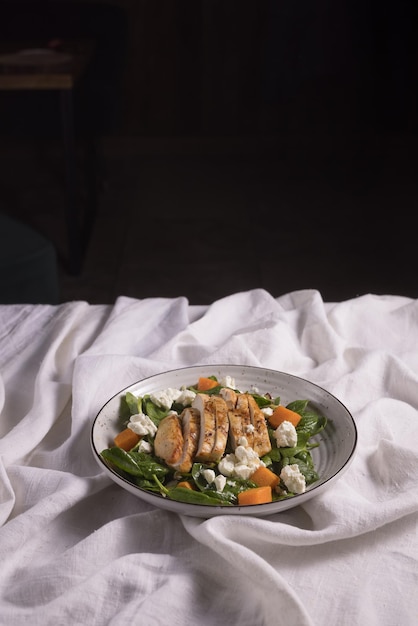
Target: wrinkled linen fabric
<point x="75" y="548"/>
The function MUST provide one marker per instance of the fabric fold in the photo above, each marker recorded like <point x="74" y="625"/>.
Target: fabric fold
<point x="77" y="548"/>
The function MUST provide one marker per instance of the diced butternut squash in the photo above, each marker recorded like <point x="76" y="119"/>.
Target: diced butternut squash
<point x="283" y="414"/>
<point x="206" y="383"/>
<point x="185" y="484"/>
<point x="126" y="439"/>
<point x="264" y="476"/>
<point x="256" y="495"/>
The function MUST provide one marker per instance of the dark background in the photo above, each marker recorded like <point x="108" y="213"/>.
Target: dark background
<point x="222" y="67"/>
<point x="315" y="102"/>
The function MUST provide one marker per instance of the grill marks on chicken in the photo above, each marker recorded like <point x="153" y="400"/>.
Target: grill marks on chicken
<point x="246" y="419"/>
<point x="203" y="431"/>
<point x="235" y="427"/>
<point x="204" y="405"/>
<point x="169" y="440"/>
<point x="245" y="416"/>
<point x="191" y="431"/>
<point x="222" y="427"/>
<point x="261" y="439"/>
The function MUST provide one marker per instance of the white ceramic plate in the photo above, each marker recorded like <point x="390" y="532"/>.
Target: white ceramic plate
<point x="332" y="458"/>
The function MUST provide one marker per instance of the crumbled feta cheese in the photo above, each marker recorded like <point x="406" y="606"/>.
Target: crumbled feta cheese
<point x="242" y="441"/>
<point x="226" y="465"/>
<point x="249" y="428"/>
<point x="186" y="397"/>
<point x="267" y="410"/>
<point x="209" y="475"/>
<point x="242" y="463"/>
<point x="243" y="471"/>
<point x="286" y="435"/>
<point x="228" y="381"/>
<point x="241" y="454"/>
<point x="166" y="397"/>
<point x="144" y="446"/>
<point x="142" y="425"/>
<point x="220" y="482"/>
<point x="293" y="478"/>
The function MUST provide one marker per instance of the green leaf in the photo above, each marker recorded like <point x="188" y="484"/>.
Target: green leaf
<point x="298" y="406"/>
<point x="273" y="456"/>
<point x="214" y="391"/>
<point x="182" y="494"/>
<point x="261" y="401"/>
<point x="311" y="424"/>
<point x="231" y="490"/>
<point x="154" y="412"/>
<point x="134" y="463"/>
<point x="134" y="403"/>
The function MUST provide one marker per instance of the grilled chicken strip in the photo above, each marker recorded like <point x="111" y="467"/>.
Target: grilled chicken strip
<point x="202" y="431"/>
<point x="230" y="397"/>
<point x="190" y="419"/>
<point x="261" y="441"/>
<point x="235" y="427"/>
<point x="244" y="412"/>
<point x="222" y="427"/>
<point x="203" y="404"/>
<point x="169" y="440"/>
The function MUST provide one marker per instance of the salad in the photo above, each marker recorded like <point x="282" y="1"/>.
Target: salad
<point x="213" y="444"/>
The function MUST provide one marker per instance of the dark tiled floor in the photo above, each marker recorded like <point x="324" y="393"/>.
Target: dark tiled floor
<point x="206" y="219"/>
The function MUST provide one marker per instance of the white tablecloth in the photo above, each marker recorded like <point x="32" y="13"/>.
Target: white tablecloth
<point x="75" y="548"/>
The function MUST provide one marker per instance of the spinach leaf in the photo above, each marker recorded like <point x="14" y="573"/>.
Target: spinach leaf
<point x="214" y="391"/>
<point x="181" y="494"/>
<point x="305" y="466"/>
<point x="273" y="456"/>
<point x="154" y="412"/>
<point x="232" y="487"/>
<point x="298" y="406"/>
<point x="311" y="424"/>
<point x="134" y="403"/>
<point x="135" y="463"/>
<point x="262" y="401"/>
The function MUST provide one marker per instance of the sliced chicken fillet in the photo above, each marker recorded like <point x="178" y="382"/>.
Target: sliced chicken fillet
<point x="190" y="419"/>
<point x="235" y="427"/>
<point x="169" y="441"/>
<point x="207" y="427"/>
<point x="261" y="441"/>
<point x="222" y="427"/>
<point x="244" y="412"/>
<point x="230" y="397"/>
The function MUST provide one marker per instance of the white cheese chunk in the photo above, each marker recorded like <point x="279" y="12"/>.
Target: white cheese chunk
<point x="293" y="478"/>
<point x="286" y="435"/>
<point x="165" y="397"/>
<point x="209" y="475"/>
<point x="142" y="425"/>
<point x="241" y="464"/>
<point x="220" y="482"/>
<point x="226" y="465"/>
<point x="144" y="446"/>
<point x="228" y="381"/>
<point x="186" y="397"/>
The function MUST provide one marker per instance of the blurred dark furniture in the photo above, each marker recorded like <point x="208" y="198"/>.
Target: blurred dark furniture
<point x="94" y="34"/>
<point x="28" y="265"/>
<point x="28" y="70"/>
